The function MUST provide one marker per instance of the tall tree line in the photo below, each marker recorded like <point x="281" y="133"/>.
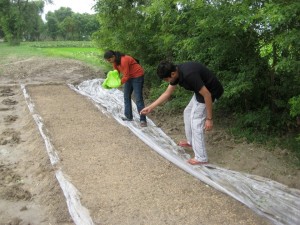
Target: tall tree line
<point x="22" y="20"/>
<point x="252" y="46"/>
<point x="64" y="24"/>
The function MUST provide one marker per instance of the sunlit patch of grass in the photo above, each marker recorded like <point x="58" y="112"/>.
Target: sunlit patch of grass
<point x="89" y="55"/>
<point x="83" y="51"/>
<point x="62" y="44"/>
<point x="8" y="53"/>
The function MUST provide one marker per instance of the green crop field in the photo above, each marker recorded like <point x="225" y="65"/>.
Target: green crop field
<point x="80" y="50"/>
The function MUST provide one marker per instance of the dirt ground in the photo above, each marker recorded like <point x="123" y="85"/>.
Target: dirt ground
<point x="121" y="181"/>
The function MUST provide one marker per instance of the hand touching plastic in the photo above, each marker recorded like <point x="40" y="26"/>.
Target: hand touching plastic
<point x="146" y="110"/>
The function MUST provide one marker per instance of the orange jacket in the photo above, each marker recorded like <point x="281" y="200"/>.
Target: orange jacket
<point x="129" y="68"/>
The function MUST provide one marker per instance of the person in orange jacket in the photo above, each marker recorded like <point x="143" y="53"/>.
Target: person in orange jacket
<point x="133" y="80"/>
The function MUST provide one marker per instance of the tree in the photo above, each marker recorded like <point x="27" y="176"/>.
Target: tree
<point x="123" y="27"/>
<point x="86" y="24"/>
<point x="281" y="47"/>
<point x="52" y="25"/>
<point x="62" y="13"/>
<point x="252" y="46"/>
<point x="68" y="28"/>
<point x="1" y="33"/>
<point x="34" y="22"/>
<point x="16" y="16"/>
<point x="64" y="23"/>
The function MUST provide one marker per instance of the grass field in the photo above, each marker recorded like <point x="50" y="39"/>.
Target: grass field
<point x="83" y="51"/>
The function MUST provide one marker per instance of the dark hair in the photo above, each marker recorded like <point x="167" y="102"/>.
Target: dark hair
<point x="110" y="53"/>
<point x="165" y="68"/>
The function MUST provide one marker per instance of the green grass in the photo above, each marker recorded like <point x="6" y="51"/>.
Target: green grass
<point x="89" y="55"/>
<point x="7" y="53"/>
<point x="60" y="44"/>
<point x="83" y="51"/>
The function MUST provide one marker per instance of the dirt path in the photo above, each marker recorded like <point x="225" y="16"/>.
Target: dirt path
<point x="121" y="181"/>
<point x="29" y="192"/>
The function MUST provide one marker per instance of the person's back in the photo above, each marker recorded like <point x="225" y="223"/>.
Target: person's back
<point x="198" y="114"/>
<point x="193" y="75"/>
<point x="129" y="68"/>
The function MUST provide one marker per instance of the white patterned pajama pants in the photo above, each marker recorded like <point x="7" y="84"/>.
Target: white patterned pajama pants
<point x="194" y="122"/>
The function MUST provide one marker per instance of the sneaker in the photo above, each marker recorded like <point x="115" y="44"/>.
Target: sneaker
<point x="126" y="119"/>
<point x="143" y="124"/>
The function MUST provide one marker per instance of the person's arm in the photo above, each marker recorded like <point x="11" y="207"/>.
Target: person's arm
<point x="164" y="97"/>
<point x="209" y="107"/>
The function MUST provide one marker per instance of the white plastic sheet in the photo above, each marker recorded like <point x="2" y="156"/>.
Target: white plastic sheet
<point x="271" y="199"/>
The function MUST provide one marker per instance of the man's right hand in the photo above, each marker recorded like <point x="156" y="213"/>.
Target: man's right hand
<point x="145" y="110"/>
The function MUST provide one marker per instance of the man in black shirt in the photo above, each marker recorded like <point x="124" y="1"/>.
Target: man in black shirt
<point x="198" y="115"/>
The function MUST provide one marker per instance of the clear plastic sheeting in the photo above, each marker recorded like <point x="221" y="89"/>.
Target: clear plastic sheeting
<point x="268" y="198"/>
<point x="79" y="214"/>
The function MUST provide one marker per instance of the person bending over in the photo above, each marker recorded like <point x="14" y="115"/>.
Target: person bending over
<point x="133" y="80"/>
<point x="198" y="114"/>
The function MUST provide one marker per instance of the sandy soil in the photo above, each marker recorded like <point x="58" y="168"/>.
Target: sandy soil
<point x="121" y="181"/>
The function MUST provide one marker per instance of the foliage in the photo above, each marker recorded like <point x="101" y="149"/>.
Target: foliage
<point x="295" y="110"/>
<point x="295" y="106"/>
<point x="67" y="25"/>
<point x="20" y="19"/>
<point x="252" y="46"/>
<point x="119" y="31"/>
<point x="52" y="25"/>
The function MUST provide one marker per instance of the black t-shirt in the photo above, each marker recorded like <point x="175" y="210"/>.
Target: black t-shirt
<point x="193" y="76"/>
